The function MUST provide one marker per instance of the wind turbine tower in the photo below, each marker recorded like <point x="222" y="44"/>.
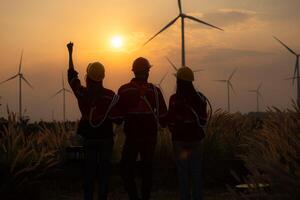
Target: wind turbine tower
<point x="63" y="90"/>
<point x="161" y="81"/>
<point x="182" y="16"/>
<point x="296" y="74"/>
<point x="229" y="86"/>
<point x="258" y="94"/>
<point x="21" y="78"/>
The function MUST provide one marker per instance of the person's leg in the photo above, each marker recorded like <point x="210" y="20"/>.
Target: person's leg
<point x="105" y="153"/>
<point x="90" y="171"/>
<point x="196" y="171"/>
<point x="128" y="161"/>
<point x="147" y="149"/>
<point x="181" y="157"/>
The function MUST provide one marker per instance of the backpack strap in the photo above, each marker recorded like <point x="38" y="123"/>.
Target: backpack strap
<point x="156" y="100"/>
<point x="196" y="116"/>
<point x="113" y="102"/>
<point x="150" y="108"/>
<point x="155" y="111"/>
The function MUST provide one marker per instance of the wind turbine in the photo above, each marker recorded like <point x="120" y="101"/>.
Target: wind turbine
<point x="176" y="68"/>
<point x="182" y="16"/>
<point x="258" y="94"/>
<point x="229" y="86"/>
<point x="63" y="90"/>
<point x="161" y="81"/>
<point x="21" y="77"/>
<point x="296" y="74"/>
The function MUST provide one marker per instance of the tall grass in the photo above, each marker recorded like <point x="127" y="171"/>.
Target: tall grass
<point x="25" y="157"/>
<point x="273" y="156"/>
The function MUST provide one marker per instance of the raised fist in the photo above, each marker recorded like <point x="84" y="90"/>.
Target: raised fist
<point x="70" y="47"/>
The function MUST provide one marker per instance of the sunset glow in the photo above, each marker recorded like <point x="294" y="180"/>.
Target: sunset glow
<point x="114" y="33"/>
<point x="117" y="42"/>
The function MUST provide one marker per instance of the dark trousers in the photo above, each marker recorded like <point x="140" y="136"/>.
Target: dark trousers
<point x="132" y="147"/>
<point x="97" y="156"/>
<point x="188" y="162"/>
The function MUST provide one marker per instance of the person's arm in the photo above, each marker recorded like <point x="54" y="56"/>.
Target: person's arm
<point x="73" y="79"/>
<point x="70" y="50"/>
<point x="116" y="114"/>
<point x="171" y="115"/>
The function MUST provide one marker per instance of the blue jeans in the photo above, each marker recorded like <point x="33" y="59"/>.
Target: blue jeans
<point x="189" y="170"/>
<point x="97" y="157"/>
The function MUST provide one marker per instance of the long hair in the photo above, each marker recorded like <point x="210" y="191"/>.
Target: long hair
<point x="185" y="90"/>
<point x="94" y="88"/>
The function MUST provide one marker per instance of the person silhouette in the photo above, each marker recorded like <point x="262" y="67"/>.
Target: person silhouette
<point x="95" y="126"/>
<point x="143" y="107"/>
<point x="187" y="117"/>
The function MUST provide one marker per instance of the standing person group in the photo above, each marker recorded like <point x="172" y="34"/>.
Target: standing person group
<point x="141" y="107"/>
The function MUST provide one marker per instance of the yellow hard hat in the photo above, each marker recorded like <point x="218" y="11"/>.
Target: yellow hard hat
<point x="95" y="71"/>
<point x="185" y="73"/>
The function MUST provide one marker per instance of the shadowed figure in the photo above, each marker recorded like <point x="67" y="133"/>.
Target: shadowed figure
<point x="95" y="103"/>
<point x="187" y="117"/>
<point x="143" y="109"/>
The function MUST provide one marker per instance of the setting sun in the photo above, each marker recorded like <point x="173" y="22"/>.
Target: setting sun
<point x="117" y="42"/>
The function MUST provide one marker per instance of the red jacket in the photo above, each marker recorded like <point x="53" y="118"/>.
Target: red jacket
<point x="186" y="117"/>
<point x="94" y="105"/>
<point x="142" y="106"/>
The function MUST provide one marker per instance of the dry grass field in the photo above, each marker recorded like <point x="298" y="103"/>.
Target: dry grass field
<point x="237" y="149"/>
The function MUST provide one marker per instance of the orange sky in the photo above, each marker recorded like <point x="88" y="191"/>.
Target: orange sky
<point x="42" y="29"/>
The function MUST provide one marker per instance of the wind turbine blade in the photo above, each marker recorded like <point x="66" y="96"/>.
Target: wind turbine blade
<point x="288" y="48"/>
<point x="202" y="22"/>
<point x="163" y="78"/>
<point x="231" y="86"/>
<point x="221" y="81"/>
<point x="9" y="79"/>
<point x="172" y="64"/>
<point x="296" y="69"/>
<point x="179" y="6"/>
<point x="159" y="86"/>
<point x="27" y="82"/>
<point x="56" y="93"/>
<point x="231" y="75"/>
<point x="67" y="90"/>
<point x="164" y="28"/>
<point x="292" y="78"/>
<point x="20" y="64"/>
<point x="198" y="70"/>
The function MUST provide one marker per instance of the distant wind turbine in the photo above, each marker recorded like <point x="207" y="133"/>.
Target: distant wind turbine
<point x="182" y="16"/>
<point x="21" y="77"/>
<point x="296" y="74"/>
<point x="63" y="90"/>
<point x="229" y="86"/>
<point x="176" y="68"/>
<point x="161" y="81"/>
<point x="258" y="94"/>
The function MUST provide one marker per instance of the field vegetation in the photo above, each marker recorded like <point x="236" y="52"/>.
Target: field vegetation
<point x="260" y="150"/>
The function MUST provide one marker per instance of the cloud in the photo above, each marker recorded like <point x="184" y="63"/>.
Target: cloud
<point x="229" y="17"/>
<point x="226" y="54"/>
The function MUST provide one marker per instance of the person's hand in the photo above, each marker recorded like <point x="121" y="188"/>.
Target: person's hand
<point x="70" y="47"/>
